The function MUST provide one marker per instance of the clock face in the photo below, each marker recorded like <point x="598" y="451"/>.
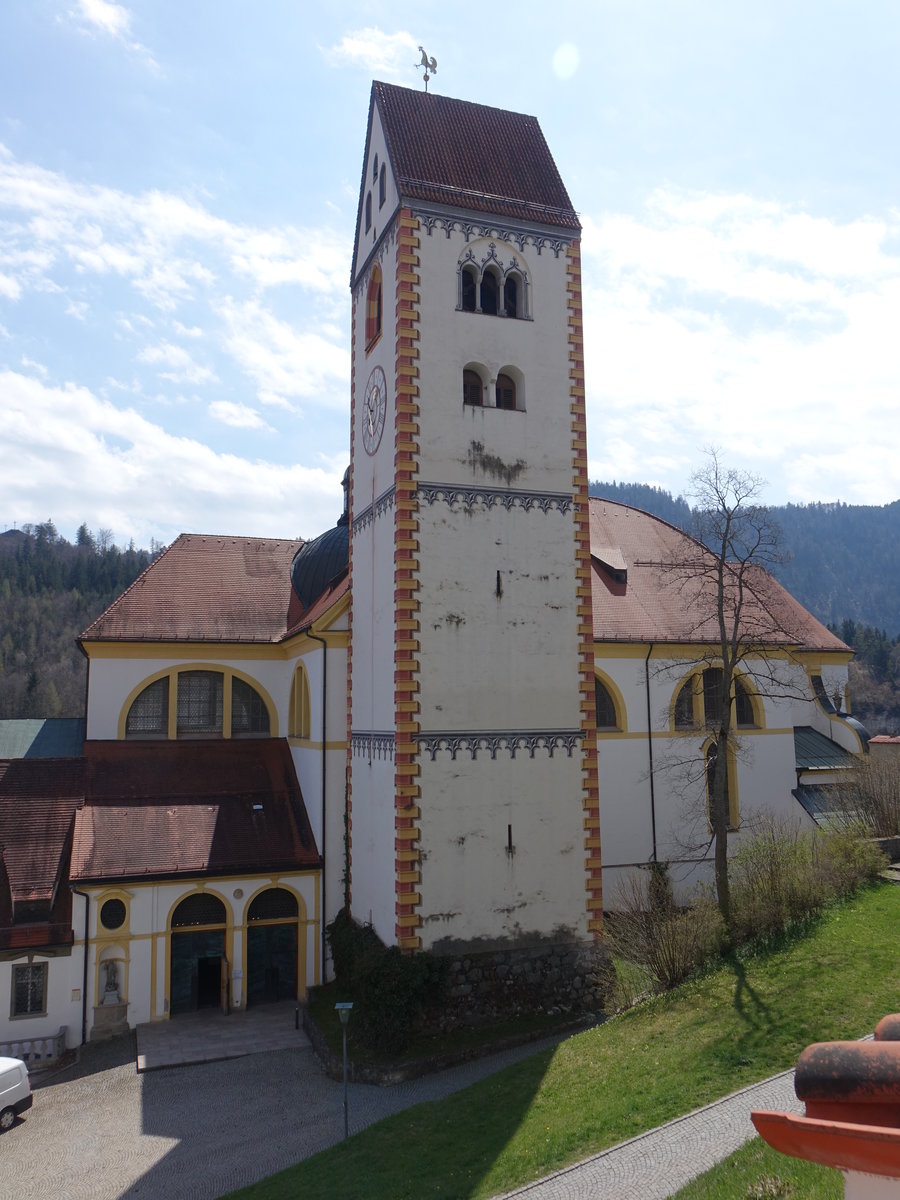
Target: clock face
<point x="373" y="409"/>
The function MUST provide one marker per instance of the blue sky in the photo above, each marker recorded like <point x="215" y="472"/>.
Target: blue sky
<point x="178" y="189"/>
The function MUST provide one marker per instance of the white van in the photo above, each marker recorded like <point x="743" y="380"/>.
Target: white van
<point x="15" y="1091"/>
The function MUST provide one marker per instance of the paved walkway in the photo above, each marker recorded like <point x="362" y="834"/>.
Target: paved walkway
<point x="656" y="1164"/>
<point x="102" y="1131"/>
<point x="209" y="1036"/>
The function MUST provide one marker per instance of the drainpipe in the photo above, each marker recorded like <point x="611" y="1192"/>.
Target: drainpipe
<point x="315" y="637"/>
<point x="84" y="983"/>
<point x="650" y="751"/>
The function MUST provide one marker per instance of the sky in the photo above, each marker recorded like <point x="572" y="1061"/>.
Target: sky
<point x="178" y="194"/>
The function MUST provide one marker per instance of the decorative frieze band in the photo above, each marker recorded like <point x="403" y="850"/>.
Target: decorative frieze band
<point x="371" y="744"/>
<point x="495" y="740"/>
<point x="383" y="504"/>
<point x="490" y="228"/>
<point x="468" y="497"/>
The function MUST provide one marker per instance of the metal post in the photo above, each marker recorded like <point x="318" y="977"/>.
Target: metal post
<point x="344" y="1009"/>
<point x="346" y="1117"/>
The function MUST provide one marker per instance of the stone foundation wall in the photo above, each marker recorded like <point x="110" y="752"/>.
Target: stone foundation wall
<point x="489" y="986"/>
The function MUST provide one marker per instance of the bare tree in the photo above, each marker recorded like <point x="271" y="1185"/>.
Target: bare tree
<point x="739" y="611"/>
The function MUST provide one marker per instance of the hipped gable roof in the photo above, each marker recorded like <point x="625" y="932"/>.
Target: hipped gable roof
<point x="160" y="809"/>
<point x="470" y="156"/>
<point x="656" y="604"/>
<point x="38" y="799"/>
<point x="207" y="588"/>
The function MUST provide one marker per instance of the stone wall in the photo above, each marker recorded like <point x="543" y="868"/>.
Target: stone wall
<point x="494" y="985"/>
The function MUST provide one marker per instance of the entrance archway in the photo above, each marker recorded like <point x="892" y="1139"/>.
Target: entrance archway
<point x="197" y="963"/>
<point x="272" y="934"/>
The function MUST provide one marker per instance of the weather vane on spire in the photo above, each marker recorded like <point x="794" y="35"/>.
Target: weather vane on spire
<point x="430" y="64"/>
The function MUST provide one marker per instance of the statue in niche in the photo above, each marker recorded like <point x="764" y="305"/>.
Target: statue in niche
<point x="111" y="991"/>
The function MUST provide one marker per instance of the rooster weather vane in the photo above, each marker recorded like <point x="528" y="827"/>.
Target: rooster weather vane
<point x="430" y="64"/>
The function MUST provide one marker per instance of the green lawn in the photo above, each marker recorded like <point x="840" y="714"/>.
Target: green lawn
<point x="757" y="1172"/>
<point x="747" y="1019"/>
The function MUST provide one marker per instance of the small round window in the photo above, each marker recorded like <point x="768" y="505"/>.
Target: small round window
<point x="112" y="914"/>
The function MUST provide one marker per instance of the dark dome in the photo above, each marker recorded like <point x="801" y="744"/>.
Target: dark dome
<point x="317" y="563"/>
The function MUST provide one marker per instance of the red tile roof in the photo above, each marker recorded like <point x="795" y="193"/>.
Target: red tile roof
<point x="174" y="808"/>
<point x="38" y="799"/>
<point x="207" y="588"/>
<point x="471" y="156"/>
<point x="655" y="605"/>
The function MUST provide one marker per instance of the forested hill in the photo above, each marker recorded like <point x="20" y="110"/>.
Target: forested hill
<point x="843" y="560"/>
<point x="50" y="591"/>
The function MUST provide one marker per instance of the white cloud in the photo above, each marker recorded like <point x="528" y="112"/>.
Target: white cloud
<point x="114" y="468"/>
<point x="237" y="415"/>
<point x="182" y="368"/>
<point x="113" y="20"/>
<point x="746" y="323"/>
<point x="377" y="53"/>
<point x="565" y="60"/>
<point x="283" y="361"/>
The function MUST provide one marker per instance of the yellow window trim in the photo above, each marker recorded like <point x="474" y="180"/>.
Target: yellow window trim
<point x="172" y="673"/>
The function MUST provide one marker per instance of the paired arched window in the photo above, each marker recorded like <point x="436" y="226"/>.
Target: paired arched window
<point x="700" y="698"/>
<point x="382" y="186"/>
<point x="298" y="714"/>
<point x="507" y="391"/>
<point x="373" y="308"/>
<point x="199" y="698"/>
<point x="368" y="211"/>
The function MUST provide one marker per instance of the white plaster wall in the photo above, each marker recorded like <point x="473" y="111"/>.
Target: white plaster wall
<point x="380" y="216"/>
<point x="538" y="438"/>
<point x="472" y="887"/>
<point x="765" y="764"/>
<point x="372" y="868"/>
<point x="64" y="976"/>
<point x="489" y="661"/>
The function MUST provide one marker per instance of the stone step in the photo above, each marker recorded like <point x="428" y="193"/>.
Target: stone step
<point x="891" y="873"/>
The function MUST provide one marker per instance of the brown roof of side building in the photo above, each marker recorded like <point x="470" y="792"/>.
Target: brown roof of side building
<point x="159" y="809"/>
<point x="207" y="588"/>
<point x="638" y="596"/>
<point x="38" y="799"/>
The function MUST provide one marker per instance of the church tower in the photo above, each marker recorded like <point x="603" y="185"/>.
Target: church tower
<point x="473" y="807"/>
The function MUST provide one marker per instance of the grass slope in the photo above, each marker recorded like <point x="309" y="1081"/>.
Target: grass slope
<point x="747" y="1019"/>
<point x="757" y="1172"/>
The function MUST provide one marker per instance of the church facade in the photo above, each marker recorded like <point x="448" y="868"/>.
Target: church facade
<point x="432" y="712"/>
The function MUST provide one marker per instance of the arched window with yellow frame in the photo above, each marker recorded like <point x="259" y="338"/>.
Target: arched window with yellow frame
<point x="198" y="701"/>
<point x="609" y="705"/>
<point x="299" y="709"/>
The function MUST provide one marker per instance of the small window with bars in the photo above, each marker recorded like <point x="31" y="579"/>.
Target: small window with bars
<point x="29" y="992"/>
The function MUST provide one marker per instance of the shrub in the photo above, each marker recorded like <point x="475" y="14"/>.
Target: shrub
<point x="871" y="798"/>
<point x="650" y="932"/>
<point x="847" y="861"/>
<point x="354" y="949"/>
<point x="783" y="875"/>
<point x="774" y="880"/>
<point x="391" y="990"/>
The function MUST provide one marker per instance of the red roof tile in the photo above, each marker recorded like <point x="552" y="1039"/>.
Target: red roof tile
<point x="38" y="798"/>
<point x="655" y="604"/>
<point x="471" y="156"/>
<point x="174" y="808"/>
<point x="206" y="588"/>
